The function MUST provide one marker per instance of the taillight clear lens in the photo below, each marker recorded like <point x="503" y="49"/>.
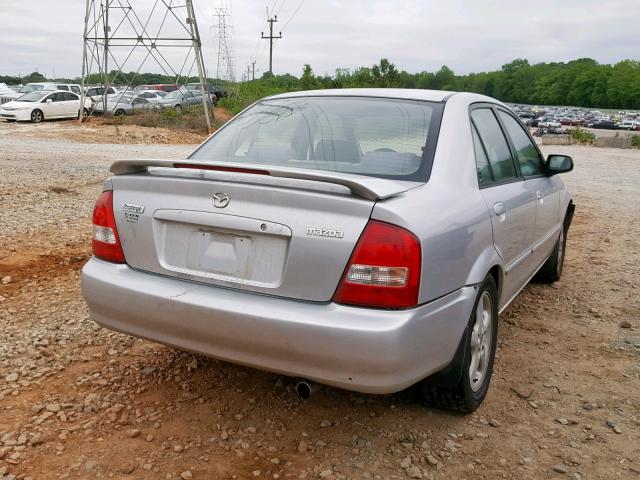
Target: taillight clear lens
<point x="384" y="269"/>
<point x="106" y="243"/>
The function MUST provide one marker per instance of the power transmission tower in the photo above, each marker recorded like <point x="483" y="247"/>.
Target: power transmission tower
<point x="116" y="36"/>
<point x="253" y="70"/>
<point x="224" y="69"/>
<point x="271" y="38"/>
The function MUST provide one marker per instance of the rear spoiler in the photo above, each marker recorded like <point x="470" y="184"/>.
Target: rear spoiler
<point x="370" y="188"/>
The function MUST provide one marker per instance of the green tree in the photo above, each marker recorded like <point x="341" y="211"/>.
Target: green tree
<point x="308" y="80"/>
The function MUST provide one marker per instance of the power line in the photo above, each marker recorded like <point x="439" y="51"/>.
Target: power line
<point x="293" y="15"/>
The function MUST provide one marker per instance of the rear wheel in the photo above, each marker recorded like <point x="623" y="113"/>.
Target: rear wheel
<point x="119" y="113"/>
<point x="178" y="109"/>
<point x="551" y="271"/>
<point x="85" y="113"/>
<point x="479" y="352"/>
<point x="37" y="116"/>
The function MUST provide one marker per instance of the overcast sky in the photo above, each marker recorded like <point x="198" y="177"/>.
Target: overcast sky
<point x="466" y="35"/>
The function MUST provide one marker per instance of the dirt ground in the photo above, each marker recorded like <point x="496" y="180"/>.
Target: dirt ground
<point x="77" y="401"/>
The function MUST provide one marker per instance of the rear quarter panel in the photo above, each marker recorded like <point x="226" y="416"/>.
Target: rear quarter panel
<point x="448" y="213"/>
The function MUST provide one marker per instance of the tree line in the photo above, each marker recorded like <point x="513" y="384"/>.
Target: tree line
<point x="581" y="83"/>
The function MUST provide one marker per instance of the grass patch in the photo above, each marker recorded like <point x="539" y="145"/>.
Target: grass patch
<point x="191" y="119"/>
<point x="243" y="95"/>
<point x="583" y="136"/>
<point x="635" y="140"/>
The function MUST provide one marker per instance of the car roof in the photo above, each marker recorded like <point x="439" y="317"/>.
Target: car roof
<point x="395" y="93"/>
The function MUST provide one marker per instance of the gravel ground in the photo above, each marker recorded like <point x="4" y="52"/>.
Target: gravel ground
<point x="77" y="401"/>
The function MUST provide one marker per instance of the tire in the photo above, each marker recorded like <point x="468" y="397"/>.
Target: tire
<point x="37" y="116"/>
<point x="478" y="354"/>
<point x="119" y="113"/>
<point x="178" y="109"/>
<point x="85" y="114"/>
<point x="551" y="271"/>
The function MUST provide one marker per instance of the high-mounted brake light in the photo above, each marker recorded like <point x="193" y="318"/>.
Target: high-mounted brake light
<point x="221" y="168"/>
<point x="106" y="243"/>
<point x="384" y="269"/>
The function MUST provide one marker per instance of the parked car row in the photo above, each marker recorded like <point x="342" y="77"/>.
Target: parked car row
<point x="555" y="117"/>
<point x="39" y="101"/>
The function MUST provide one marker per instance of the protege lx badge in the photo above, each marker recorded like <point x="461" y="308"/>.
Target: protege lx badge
<point x="132" y="212"/>
<point x="325" y="232"/>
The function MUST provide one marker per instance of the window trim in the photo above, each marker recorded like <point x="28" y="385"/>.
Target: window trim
<point x="518" y="177"/>
<point x="512" y="144"/>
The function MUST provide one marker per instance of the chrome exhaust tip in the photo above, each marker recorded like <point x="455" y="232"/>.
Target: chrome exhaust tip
<point x="304" y="389"/>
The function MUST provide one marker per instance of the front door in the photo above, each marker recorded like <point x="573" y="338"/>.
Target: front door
<point x="55" y="108"/>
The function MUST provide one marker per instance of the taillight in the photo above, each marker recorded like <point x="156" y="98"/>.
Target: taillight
<point x="384" y="269"/>
<point x="106" y="243"/>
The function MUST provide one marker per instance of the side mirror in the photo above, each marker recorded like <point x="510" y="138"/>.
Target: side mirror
<point x="49" y="100"/>
<point x="559" y="164"/>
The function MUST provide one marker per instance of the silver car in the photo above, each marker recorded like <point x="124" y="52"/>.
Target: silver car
<point x="182" y="98"/>
<point x="365" y="239"/>
<point x="124" y="104"/>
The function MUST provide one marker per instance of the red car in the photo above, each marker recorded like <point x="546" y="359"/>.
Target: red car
<point x="165" y="87"/>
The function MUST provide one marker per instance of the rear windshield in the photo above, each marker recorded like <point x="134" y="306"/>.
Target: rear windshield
<point x="379" y="137"/>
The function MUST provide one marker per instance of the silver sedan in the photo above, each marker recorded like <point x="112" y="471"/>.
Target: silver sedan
<point x="125" y="104"/>
<point x="365" y="239"/>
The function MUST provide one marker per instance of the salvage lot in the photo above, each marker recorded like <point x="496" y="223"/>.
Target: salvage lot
<point x="77" y="401"/>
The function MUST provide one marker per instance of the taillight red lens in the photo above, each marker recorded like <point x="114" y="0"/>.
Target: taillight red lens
<point x="384" y="269"/>
<point x="106" y="243"/>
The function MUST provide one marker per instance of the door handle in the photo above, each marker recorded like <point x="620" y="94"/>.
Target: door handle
<point x="499" y="209"/>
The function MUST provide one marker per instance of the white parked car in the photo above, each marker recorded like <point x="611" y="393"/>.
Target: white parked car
<point x="44" y="105"/>
<point x="96" y="93"/>
<point x="4" y="89"/>
<point x="32" y="87"/>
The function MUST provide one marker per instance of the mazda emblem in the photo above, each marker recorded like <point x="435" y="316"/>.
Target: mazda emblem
<point x="221" y="200"/>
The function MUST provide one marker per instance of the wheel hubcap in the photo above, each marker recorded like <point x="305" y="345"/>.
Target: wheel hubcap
<point x="481" y="339"/>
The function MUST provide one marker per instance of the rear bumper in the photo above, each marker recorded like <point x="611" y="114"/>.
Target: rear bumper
<point x="366" y="350"/>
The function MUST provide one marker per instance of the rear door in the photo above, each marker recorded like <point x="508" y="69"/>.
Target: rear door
<point x="530" y="164"/>
<point x="71" y="104"/>
<point x="511" y="202"/>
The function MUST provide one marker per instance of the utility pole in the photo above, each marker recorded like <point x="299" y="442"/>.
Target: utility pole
<point x="271" y="38"/>
<point x="253" y="70"/>
<point x="248" y="73"/>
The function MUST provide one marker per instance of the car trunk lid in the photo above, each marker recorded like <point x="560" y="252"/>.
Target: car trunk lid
<point x="256" y="230"/>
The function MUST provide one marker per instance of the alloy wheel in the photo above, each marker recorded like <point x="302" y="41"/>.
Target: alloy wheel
<point x="481" y="339"/>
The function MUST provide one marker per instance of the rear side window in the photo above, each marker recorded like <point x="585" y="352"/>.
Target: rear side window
<point x="69" y="96"/>
<point x="495" y="145"/>
<point x="485" y="177"/>
<point x="528" y="158"/>
<point x="63" y="87"/>
<point x="75" y="89"/>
